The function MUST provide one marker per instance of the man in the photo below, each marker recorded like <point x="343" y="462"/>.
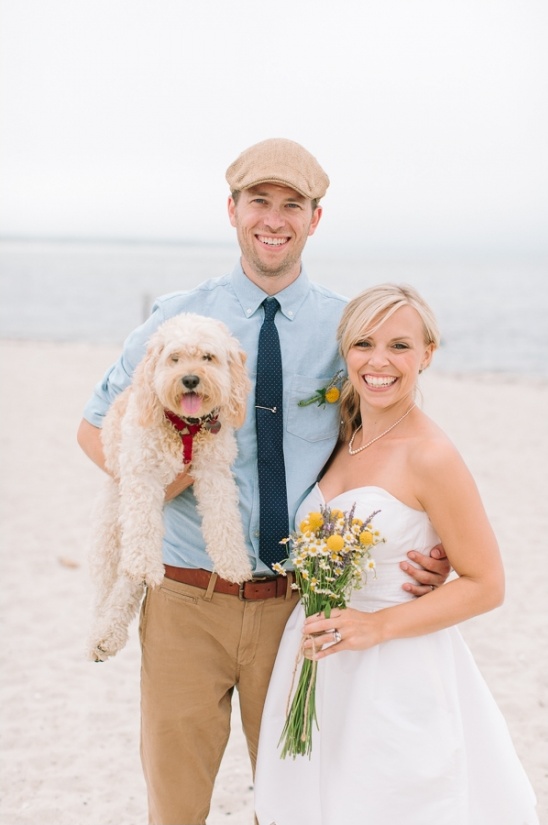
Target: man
<point x="201" y="637"/>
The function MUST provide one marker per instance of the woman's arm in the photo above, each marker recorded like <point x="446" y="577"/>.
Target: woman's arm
<point x="449" y="495"/>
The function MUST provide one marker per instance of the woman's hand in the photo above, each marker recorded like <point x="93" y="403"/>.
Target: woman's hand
<point x="346" y="629"/>
<point x="433" y="571"/>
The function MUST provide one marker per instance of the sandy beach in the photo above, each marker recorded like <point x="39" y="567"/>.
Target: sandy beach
<point x="70" y="729"/>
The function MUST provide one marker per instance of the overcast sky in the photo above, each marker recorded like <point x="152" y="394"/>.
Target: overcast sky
<point x="119" y="117"/>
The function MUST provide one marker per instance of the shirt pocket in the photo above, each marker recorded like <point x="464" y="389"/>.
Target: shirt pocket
<point x="313" y="422"/>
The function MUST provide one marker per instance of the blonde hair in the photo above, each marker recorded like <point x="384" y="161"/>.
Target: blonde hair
<point x="362" y="316"/>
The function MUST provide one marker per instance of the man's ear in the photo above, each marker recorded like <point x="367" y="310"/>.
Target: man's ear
<point x="231" y="207"/>
<point x="318" y="212"/>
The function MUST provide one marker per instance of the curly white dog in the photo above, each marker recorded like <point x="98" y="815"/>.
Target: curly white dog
<point x="188" y="394"/>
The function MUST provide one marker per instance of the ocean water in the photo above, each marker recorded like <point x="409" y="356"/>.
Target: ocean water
<point x="493" y="312"/>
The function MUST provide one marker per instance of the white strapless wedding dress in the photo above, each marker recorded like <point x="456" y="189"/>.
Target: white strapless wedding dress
<point x="409" y="732"/>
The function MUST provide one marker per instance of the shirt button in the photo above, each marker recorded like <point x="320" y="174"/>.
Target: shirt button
<point x="248" y="311"/>
<point x="256" y="534"/>
<point x="290" y="314"/>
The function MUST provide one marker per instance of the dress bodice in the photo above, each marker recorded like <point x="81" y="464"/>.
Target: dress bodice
<point x="403" y="528"/>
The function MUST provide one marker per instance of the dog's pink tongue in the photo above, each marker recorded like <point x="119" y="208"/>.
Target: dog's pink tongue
<point x="190" y="403"/>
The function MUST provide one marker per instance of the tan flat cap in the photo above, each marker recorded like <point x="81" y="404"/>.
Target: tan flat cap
<point x="281" y="161"/>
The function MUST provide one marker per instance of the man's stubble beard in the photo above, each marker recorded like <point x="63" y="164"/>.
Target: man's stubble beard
<point x="276" y="271"/>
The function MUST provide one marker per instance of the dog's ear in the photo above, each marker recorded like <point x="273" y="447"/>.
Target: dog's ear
<point x="240" y="386"/>
<point x="151" y="412"/>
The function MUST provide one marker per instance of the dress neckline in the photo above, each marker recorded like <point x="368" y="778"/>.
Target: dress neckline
<point x="366" y="487"/>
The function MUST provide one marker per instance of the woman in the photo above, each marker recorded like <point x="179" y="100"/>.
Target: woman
<point x="408" y="731"/>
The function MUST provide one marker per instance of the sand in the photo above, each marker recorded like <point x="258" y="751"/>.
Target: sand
<point x="70" y="728"/>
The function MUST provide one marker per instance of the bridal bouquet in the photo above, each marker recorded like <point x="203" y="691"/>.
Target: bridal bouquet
<point x="331" y="555"/>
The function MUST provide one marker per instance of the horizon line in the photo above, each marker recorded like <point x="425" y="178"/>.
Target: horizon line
<point x="393" y="252"/>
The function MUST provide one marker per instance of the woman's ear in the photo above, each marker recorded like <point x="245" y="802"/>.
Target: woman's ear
<point x="427" y="357"/>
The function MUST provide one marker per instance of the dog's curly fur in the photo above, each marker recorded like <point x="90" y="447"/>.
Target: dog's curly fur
<point x="193" y="367"/>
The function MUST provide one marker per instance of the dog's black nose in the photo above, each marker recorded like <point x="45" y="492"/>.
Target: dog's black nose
<point x="190" y="381"/>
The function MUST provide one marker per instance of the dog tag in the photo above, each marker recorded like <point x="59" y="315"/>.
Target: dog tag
<point x="213" y="426"/>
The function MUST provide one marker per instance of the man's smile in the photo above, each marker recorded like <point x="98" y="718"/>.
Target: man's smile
<point x="269" y="241"/>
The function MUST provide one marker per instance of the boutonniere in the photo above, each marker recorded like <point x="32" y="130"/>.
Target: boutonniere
<point x="326" y="395"/>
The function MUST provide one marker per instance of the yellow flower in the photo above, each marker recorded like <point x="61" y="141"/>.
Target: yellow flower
<point x="315" y="521"/>
<point x="337" y="514"/>
<point x="366" y="538"/>
<point x="335" y="543"/>
<point x="329" y="394"/>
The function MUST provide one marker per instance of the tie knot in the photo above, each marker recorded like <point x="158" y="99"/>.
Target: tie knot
<point x="271" y="307"/>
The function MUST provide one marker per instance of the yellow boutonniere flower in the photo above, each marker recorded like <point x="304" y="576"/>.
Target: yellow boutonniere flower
<point x="323" y="395"/>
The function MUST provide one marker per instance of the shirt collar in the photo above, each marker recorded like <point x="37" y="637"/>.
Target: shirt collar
<point x="251" y="296"/>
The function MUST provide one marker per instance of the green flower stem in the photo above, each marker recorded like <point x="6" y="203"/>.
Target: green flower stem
<point x="307" y="401"/>
<point x="297" y="732"/>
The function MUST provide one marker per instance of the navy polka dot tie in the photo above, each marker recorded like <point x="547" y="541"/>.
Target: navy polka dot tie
<point x="274" y="521"/>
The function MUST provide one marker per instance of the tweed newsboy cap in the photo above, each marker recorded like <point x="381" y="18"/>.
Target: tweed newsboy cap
<point x="281" y="161"/>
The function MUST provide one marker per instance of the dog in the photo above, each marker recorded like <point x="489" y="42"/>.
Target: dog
<point x="187" y="397"/>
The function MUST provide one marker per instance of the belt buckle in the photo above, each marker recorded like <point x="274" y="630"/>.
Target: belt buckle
<point x="241" y="589"/>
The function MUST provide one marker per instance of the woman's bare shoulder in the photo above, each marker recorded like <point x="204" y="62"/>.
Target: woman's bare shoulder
<point x="432" y="449"/>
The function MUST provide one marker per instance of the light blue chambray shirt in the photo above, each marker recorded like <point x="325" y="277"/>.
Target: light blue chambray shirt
<point x="307" y="324"/>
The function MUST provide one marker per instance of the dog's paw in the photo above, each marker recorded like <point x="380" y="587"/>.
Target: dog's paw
<point x="105" y="643"/>
<point x="150" y="575"/>
<point x="98" y="654"/>
<point x="101" y="650"/>
<point x="155" y="575"/>
<point x="236" y="574"/>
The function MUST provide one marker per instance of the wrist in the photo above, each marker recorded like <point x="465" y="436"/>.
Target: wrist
<point x="383" y="626"/>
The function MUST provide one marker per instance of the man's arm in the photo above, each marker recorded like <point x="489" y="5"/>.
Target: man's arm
<point x="89" y="439"/>
<point x="433" y="571"/>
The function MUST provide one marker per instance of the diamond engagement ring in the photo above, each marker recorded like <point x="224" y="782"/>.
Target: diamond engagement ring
<point x="337" y="636"/>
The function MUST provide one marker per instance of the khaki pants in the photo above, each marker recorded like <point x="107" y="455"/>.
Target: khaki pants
<point x="196" y="647"/>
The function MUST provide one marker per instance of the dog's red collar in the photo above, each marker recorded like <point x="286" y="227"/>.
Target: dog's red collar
<point x="188" y="427"/>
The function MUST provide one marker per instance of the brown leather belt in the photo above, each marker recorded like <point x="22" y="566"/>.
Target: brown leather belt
<point x="272" y="587"/>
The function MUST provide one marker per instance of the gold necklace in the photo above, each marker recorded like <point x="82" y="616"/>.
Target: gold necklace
<point x="369" y="443"/>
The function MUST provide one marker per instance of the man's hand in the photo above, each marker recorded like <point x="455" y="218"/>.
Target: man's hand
<point x="178" y="486"/>
<point x="433" y="571"/>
